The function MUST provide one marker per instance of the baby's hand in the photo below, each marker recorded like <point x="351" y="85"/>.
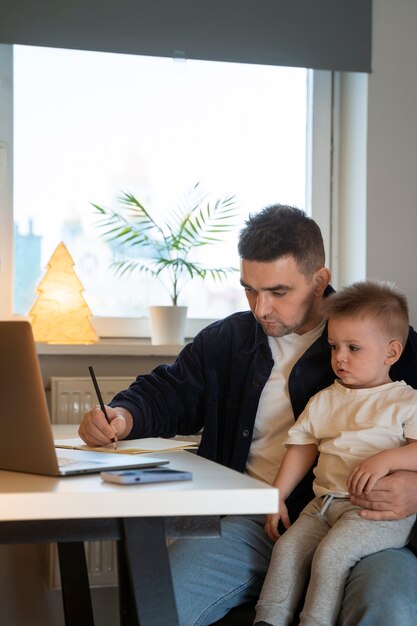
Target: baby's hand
<point x="364" y="477"/>
<point x="272" y="519"/>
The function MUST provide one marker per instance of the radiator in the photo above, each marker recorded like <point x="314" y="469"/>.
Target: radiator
<point x="70" y="398"/>
<point x="101" y="563"/>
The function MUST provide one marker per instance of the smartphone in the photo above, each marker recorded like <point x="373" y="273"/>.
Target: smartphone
<point x="151" y="475"/>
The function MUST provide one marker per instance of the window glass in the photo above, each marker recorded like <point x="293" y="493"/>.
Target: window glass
<point x="88" y="126"/>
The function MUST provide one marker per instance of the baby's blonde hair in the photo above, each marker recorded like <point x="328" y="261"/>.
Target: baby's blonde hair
<point x="381" y="301"/>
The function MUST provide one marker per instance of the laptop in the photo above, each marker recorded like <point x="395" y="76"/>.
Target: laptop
<point x="26" y="441"/>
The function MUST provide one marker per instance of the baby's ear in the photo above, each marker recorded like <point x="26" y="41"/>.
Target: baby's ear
<point x="393" y="352"/>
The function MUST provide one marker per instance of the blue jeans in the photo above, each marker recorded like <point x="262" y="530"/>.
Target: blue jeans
<point x="212" y="575"/>
<point x="382" y="591"/>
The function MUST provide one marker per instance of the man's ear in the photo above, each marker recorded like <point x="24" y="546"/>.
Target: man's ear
<point x="393" y="352"/>
<point x="321" y="279"/>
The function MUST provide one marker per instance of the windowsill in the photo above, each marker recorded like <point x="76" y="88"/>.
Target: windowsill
<point x="109" y="346"/>
<point x="121" y="336"/>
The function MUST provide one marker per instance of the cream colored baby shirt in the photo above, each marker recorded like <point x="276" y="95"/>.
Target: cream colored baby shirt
<point x="349" y="425"/>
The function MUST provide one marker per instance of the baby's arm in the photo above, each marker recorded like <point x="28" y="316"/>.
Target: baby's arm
<point x="364" y="477"/>
<point x="295" y="465"/>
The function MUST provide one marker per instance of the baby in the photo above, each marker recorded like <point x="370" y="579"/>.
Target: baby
<point x="361" y="428"/>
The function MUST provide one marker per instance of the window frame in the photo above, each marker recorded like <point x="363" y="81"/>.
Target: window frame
<point x="318" y="200"/>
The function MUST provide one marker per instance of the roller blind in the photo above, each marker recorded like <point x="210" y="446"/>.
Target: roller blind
<point x="318" y="34"/>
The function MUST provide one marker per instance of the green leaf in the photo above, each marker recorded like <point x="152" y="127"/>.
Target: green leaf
<point x="192" y="223"/>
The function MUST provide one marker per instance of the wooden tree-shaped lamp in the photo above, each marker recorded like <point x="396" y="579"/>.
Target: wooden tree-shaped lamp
<point x="60" y="314"/>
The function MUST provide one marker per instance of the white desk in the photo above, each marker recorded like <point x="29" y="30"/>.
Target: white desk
<point x="71" y="510"/>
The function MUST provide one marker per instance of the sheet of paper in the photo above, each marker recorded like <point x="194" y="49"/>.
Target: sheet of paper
<point x="132" y="446"/>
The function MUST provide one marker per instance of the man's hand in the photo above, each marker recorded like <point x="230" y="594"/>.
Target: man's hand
<point x="393" y="497"/>
<point x="95" y="430"/>
<point x="272" y="519"/>
<point x="365" y="476"/>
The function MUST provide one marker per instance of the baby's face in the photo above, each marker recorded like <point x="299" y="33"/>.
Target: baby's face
<point x="360" y="352"/>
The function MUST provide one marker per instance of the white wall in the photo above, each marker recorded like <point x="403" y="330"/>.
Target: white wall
<point x="6" y="178"/>
<point x="348" y="258"/>
<point x="25" y="599"/>
<point x="391" y="231"/>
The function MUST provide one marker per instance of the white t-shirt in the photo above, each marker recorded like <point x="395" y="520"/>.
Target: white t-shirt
<point x="349" y="425"/>
<point x="275" y="415"/>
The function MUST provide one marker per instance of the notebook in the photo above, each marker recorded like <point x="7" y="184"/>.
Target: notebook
<point x="26" y="441"/>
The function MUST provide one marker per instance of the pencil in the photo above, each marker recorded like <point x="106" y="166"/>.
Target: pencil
<point x="100" y="401"/>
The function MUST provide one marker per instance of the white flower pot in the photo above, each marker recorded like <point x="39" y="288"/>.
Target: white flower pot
<point x="168" y="325"/>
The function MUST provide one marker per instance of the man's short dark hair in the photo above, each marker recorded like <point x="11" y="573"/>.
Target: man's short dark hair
<point x="278" y="231"/>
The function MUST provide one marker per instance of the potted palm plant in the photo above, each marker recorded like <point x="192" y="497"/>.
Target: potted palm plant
<point x="167" y="248"/>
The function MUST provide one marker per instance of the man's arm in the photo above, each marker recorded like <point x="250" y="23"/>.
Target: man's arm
<point x="295" y="465"/>
<point x="393" y="497"/>
<point x="155" y="404"/>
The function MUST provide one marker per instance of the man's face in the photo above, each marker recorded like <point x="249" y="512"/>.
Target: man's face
<point x="282" y="299"/>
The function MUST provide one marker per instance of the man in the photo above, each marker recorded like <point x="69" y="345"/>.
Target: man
<point x="244" y="380"/>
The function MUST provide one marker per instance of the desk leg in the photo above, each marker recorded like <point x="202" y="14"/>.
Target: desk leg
<point x="146" y="556"/>
<point x="75" y="584"/>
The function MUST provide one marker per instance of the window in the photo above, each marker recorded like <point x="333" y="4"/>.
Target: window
<point x="88" y="125"/>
